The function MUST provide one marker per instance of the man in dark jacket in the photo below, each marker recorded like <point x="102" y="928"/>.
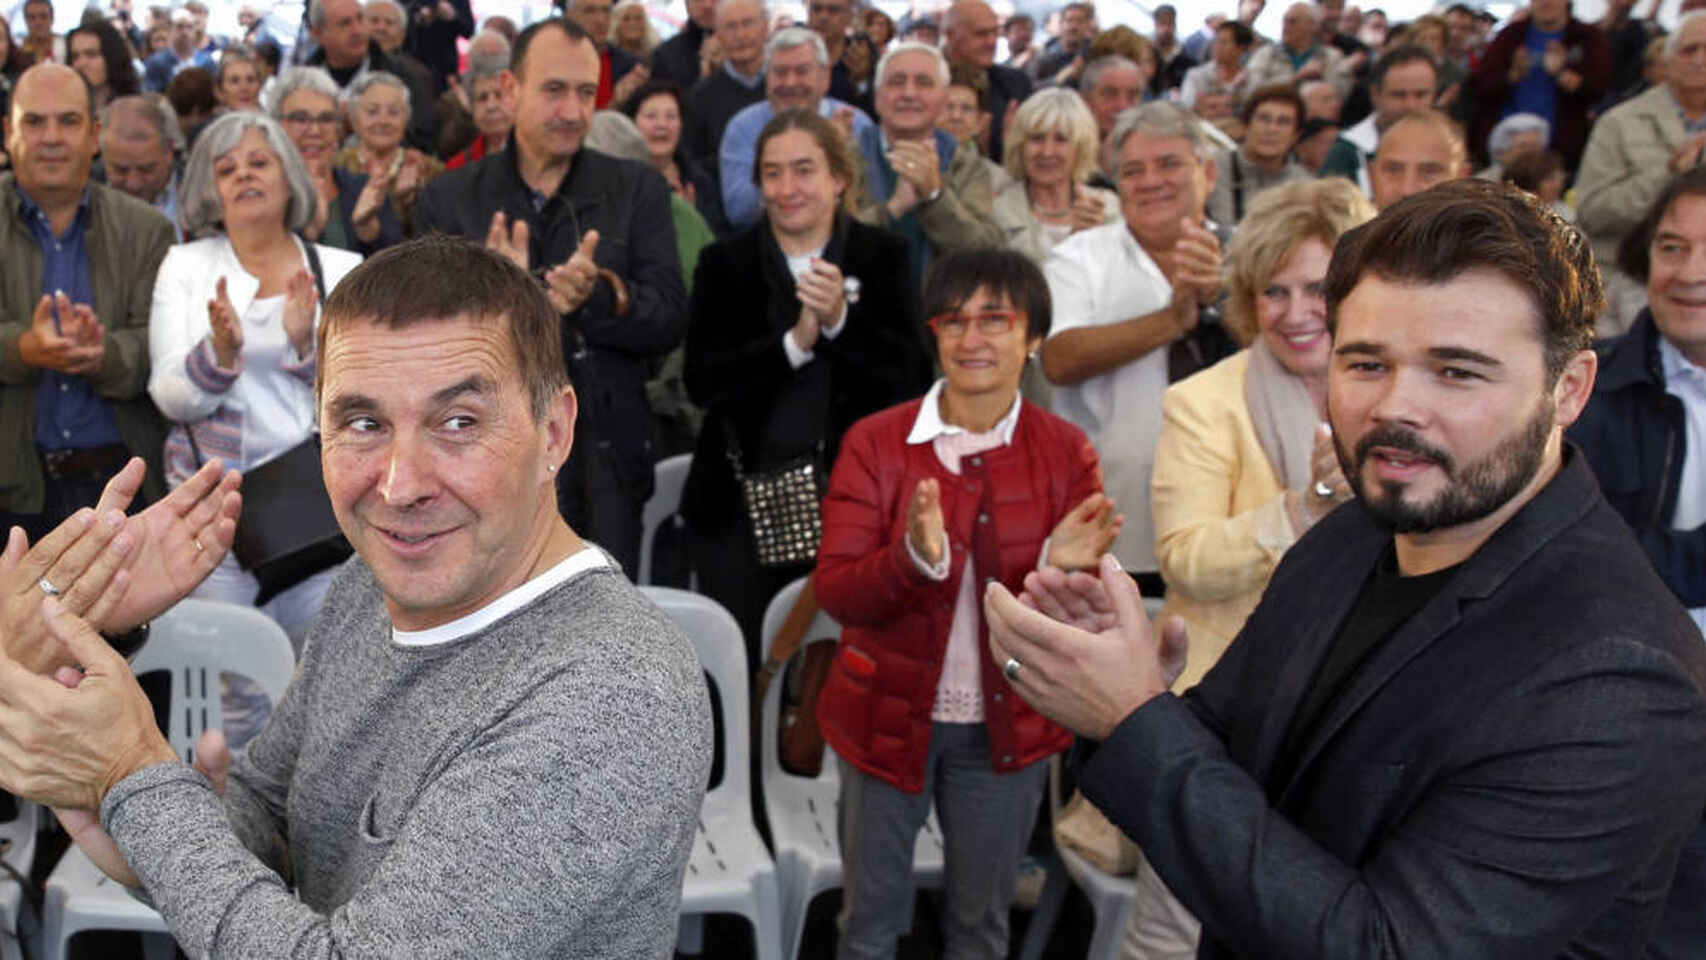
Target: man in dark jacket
<point x="433" y="33"/>
<point x="1644" y="431"/>
<point x="1466" y="719"/>
<point x="677" y="59"/>
<point x="597" y="231"/>
<point x="346" y="51"/>
<point x="1644" y="434"/>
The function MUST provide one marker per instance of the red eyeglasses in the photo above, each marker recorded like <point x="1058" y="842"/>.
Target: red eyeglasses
<point x="990" y="323"/>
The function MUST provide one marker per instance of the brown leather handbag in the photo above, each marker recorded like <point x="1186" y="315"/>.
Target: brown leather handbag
<point x="801" y="749"/>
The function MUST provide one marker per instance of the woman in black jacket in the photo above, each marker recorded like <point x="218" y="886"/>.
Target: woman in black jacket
<point x="798" y="326"/>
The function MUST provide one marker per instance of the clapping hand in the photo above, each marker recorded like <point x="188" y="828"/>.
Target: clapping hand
<point x="1195" y="262"/>
<point x="1086" y="653"/>
<point x="925" y="530"/>
<point x="226" y="328"/>
<point x="301" y="298"/>
<point x="1690" y="154"/>
<point x="1084" y="534"/>
<point x="1087" y="210"/>
<point x="63" y="336"/>
<point x="571" y="283"/>
<point x="822" y="291"/>
<point x="918" y="168"/>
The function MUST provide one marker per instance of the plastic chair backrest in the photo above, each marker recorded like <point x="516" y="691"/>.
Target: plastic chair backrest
<point x="669" y="477"/>
<point x="823" y="629"/>
<point x="197" y="640"/>
<point x="722" y="652"/>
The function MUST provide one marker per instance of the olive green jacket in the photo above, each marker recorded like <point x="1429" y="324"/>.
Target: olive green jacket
<point x="126" y="240"/>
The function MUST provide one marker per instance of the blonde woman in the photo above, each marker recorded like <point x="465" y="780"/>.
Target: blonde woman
<point x="1243" y="465"/>
<point x="1050" y="155"/>
<point x="631" y="29"/>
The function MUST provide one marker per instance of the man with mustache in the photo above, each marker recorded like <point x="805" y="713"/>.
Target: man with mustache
<point x="1467" y="719"/>
<point x="597" y="231"/>
<point x="76" y="282"/>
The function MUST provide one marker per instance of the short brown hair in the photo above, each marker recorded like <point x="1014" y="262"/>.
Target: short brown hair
<point x="1461" y="225"/>
<point x="1274" y="93"/>
<point x="828" y="137"/>
<point x="1634" y="251"/>
<point x="440" y="277"/>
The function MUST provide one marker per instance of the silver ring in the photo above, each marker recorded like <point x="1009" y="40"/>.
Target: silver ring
<point x="47" y="588"/>
<point x="1011" y="669"/>
<point x="197" y="542"/>
<point x="1322" y="490"/>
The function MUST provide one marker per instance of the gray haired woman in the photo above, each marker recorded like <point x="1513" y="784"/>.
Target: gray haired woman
<point x="377" y="107"/>
<point x="231" y="331"/>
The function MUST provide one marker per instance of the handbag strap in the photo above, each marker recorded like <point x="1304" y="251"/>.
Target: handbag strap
<point x="788" y="639"/>
<point x="314" y="266"/>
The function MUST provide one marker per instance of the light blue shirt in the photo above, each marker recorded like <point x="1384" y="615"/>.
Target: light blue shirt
<point x="1687" y="383"/>
<point x="736" y="157"/>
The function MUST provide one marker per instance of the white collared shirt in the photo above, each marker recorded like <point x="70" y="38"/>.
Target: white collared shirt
<point x="586" y="558"/>
<point x="1687" y="382"/>
<point x="1097" y="277"/>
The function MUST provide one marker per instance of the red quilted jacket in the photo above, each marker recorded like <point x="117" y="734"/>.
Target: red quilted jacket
<point x="875" y="706"/>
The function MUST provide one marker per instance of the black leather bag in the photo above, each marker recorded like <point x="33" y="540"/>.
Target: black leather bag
<point x="287" y="531"/>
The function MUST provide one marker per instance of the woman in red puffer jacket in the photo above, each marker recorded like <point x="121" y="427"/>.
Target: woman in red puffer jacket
<point x="929" y="501"/>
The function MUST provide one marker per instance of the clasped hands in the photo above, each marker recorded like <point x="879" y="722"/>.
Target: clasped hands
<point x="1088" y="654"/>
<point x="567" y="285"/>
<point x="1193" y="268"/>
<point x="63" y="336"/>
<point x="822" y="292"/>
<point x="919" y="174"/>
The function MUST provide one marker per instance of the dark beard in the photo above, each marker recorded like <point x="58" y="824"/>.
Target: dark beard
<point x="1477" y="490"/>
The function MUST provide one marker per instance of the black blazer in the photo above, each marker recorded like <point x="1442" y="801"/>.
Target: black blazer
<point x="1511" y="774"/>
<point x="736" y="368"/>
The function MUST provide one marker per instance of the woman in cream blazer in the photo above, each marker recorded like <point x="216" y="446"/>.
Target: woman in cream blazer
<point x="1241" y="459"/>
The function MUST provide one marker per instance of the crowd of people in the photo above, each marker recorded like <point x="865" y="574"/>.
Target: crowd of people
<point x="1012" y="299"/>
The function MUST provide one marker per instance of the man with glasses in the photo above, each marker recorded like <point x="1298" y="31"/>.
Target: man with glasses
<point x="831" y="20"/>
<point x="597" y="232"/>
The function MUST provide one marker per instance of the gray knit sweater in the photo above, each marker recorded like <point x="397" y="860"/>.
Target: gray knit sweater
<point x="530" y="790"/>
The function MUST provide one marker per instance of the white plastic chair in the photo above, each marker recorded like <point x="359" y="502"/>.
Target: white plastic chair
<point x="195" y="641"/>
<point x="19" y="851"/>
<point x="802" y="810"/>
<point x="669" y="477"/>
<point x="729" y="870"/>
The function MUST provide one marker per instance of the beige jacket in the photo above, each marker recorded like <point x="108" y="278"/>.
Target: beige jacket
<point x="960" y="218"/>
<point x="1220" y="520"/>
<point x="1020" y="230"/>
<point x="1626" y="165"/>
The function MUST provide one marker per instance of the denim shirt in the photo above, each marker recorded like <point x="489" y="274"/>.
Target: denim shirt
<point x="68" y="413"/>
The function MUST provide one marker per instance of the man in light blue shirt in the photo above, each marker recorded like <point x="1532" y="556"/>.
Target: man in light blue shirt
<point x="796" y="70"/>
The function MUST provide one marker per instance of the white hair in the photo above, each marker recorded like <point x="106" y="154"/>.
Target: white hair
<point x="1675" y="39"/>
<point x="911" y="46"/>
<point x="790" y="37"/>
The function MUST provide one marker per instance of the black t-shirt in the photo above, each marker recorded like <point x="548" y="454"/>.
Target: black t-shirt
<point x="1387" y="600"/>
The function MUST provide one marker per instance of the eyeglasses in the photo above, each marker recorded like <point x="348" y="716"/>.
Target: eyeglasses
<point x="303" y="119"/>
<point x="990" y="323"/>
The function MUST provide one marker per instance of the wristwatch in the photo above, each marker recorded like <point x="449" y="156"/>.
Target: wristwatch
<point x="129" y="642"/>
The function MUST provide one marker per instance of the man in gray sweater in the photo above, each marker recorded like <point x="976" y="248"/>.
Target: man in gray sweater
<point x="493" y="745"/>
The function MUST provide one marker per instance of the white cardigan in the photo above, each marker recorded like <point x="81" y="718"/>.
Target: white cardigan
<point x="185" y="380"/>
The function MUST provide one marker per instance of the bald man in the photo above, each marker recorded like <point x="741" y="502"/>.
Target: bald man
<point x="1300" y="55"/>
<point x="971" y="29"/>
<point x="76" y="285"/>
<point x="1420" y="151"/>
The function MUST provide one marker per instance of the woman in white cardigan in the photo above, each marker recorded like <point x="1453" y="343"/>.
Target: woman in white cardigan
<point x="231" y="333"/>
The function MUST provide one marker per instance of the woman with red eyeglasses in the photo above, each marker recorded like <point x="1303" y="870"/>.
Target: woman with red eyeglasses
<point x="931" y="501"/>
